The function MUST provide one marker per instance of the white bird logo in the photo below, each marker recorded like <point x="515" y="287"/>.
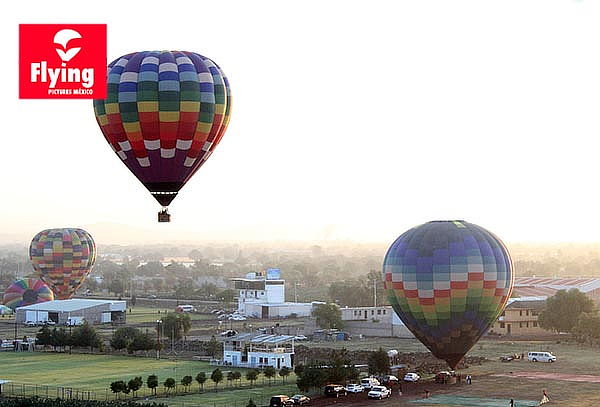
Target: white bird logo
<point x="62" y="38"/>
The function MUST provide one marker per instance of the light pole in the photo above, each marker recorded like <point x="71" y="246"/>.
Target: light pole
<point x="158" y="324"/>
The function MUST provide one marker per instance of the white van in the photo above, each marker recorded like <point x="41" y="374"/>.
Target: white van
<point x="541" y="357"/>
<point x="369" y="382"/>
<point x="186" y="308"/>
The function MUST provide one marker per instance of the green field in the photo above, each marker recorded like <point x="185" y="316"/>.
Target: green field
<point x="96" y="372"/>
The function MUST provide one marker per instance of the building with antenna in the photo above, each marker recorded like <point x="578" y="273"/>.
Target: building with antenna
<point x="262" y="295"/>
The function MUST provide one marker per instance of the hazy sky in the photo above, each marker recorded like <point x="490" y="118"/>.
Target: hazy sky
<point x="351" y="120"/>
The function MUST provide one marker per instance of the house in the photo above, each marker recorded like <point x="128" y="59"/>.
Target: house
<point x="262" y="295"/>
<point x="259" y="350"/>
<point x="520" y="317"/>
<point x="367" y="321"/>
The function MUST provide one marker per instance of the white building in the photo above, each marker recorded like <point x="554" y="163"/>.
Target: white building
<point x="73" y="311"/>
<point x="368" y="321"/>
<point x="259" y="350"/>
<point x="262" y="295"/>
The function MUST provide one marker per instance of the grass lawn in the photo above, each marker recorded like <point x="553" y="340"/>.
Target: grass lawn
<point x="96" y="372"/>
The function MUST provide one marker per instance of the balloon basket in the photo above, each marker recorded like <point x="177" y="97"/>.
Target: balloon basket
<point x="164" y="216"/>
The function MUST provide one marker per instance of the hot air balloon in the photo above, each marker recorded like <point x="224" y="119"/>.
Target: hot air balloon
<point x="448" y="281"/>
<point x="63" y="258"/>
<point x="4" y="310"/>
<point x="26" y="292"/>
<point x="164" y="115"/>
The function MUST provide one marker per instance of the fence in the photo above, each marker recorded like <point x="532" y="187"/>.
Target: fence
<point x="33" y="390"/>
<point x="176" y="398"/>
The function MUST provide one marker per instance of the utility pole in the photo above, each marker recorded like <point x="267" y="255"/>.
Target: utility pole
<point x="374" y="293"/>
<point x="158" y="323"/>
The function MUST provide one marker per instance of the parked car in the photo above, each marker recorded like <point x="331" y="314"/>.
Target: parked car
<point x="31" y="323"/>
<point x="229" y="333"/>
<point x="388" y="380"/>
<point x="369" y="382"/>
<point x="541" y="357"/>
<point x="236" y="317"/>
<point x="300" y="400"/>
<point x="281" y="401"/>
<point x="223" y="316"/>
<point x="152" y="297"/>
<point x="49" y="322"/>
<point x="300" y="338"/>
<point x="185" y="308"/>
<point x="506" y="358"/>
<point x="335" y="390"/>
<point x="379" y="392"/>
<point x="354" y="388"/>
<point x="411" y="377"/>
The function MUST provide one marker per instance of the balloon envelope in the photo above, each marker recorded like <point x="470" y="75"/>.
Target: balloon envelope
<point x="63" y="258"/>
<point x="448" y="281"/>
<point x="165" y="113"/>
<point x="26" y="292"/>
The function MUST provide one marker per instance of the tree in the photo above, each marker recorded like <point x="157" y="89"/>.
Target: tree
<point x="117" y="287"/>
<point x="230" y="377"/>
<point x="237" y="376"/>
<point x="226" y="296"/>
<point x="216" y="376"/>
<point x="44" y="336"/>
<point x="135" y="384"/>
<point x="86" y="336"/>
<point x="379" y="362"/>
<point x="213" y="346"/>
<point x="251" y="403"/>
<point x="201" y="378"/>
<point x="176" y="325"/>
<point x="186" y="381"/>
<point x="60" y="338"/>
<point x="118" y="387"/>
<point x="563" y="310"/>
<point x="284" y="372"/>
<point x="152" y="383"/>
<point x="269" y="373"/>
<point x="122" y="337"/>
<point x="169" y="384"/>
<point x="329" y="316"/>
<point x="252" y="375"/>
<point x="587" y="328"/>
<point x="311" y="377"/>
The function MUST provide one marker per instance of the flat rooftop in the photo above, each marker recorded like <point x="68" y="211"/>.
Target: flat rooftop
<point x="68" y="305"/>
<point x="261" y="338"/>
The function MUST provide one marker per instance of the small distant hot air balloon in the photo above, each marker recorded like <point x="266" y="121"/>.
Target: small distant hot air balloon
<point x="4" y="310"/>
<point x="164" y="115"/>
<point x="26" y="292"/>
<point x="448" y="281"/>
<point x="63" y="258"/>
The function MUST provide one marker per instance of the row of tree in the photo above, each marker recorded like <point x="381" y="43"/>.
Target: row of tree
<point x="152" y="382"/>
<point x="84" y="336"/>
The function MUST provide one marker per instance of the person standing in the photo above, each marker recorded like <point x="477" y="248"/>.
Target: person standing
<point x="512" y="403"/>
<point x="545" y="398"/>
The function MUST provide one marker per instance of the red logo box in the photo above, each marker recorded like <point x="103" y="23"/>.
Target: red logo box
<point x="62" y="61"/>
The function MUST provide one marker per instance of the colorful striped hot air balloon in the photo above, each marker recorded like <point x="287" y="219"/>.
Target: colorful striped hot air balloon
<point x="26" y="292"/>
<point x="448" y="281"/>
<point x="63" y="258"/>
<point x="164" y="115"/>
